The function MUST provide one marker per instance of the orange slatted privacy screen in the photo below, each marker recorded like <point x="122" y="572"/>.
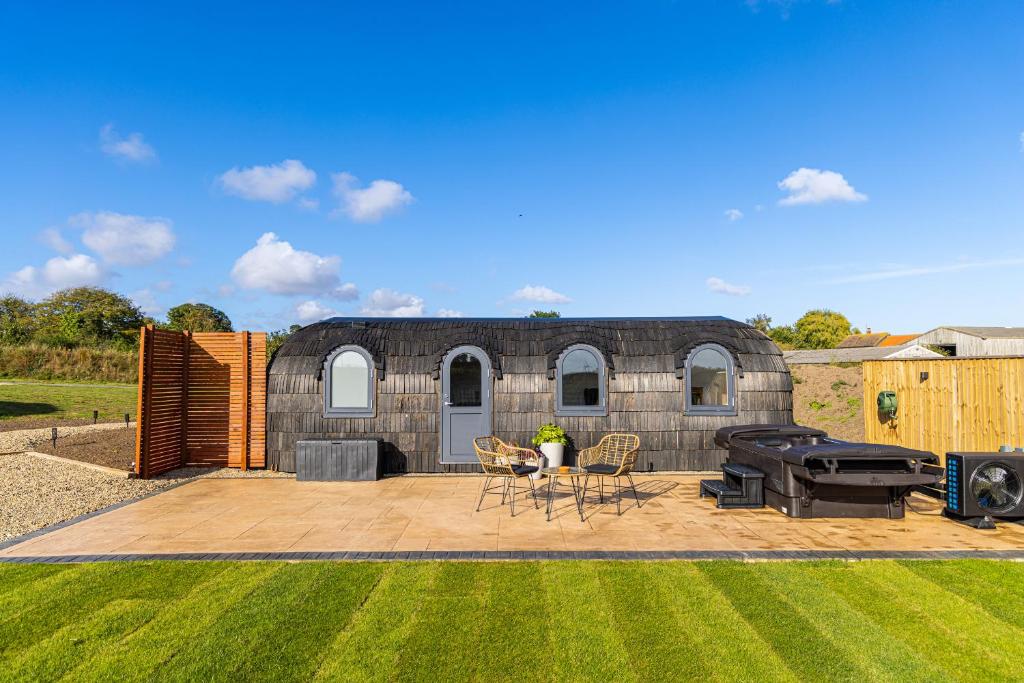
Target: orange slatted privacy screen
<point x="202" y="400"/>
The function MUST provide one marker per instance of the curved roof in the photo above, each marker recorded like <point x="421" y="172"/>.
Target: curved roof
<point x="421" y="343"/>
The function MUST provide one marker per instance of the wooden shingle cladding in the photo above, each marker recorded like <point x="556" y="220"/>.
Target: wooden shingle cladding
<point x="645" y="360"/>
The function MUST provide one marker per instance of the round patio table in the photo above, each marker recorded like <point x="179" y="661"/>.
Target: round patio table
<point x="554" y="474"/>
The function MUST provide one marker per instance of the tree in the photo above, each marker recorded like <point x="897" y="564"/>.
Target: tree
<point x="820" y="329"/>
<point x="762" y="322"/>
<point x="545" y="314"/>
<point x="198" y="318"/>
<point x="16" y="320"/>
<point x="87" y="316"/>
<point x="278" y="337"/>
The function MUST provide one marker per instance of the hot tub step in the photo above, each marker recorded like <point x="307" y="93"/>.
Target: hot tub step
<point x="741" y="486"/>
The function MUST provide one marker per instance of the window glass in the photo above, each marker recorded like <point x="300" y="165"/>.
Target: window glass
<point x="350" y="381"/>
<point x="581" y="379"/>
<point x="465" y="381"/>
<point x="709" y="378"/>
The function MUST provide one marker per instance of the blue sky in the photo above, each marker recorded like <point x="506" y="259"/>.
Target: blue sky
<point x="650" y="158"/>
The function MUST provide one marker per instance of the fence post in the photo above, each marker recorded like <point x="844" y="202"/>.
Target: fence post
<point x="186" y="350"/>
<point x="142" y="410"/>
<point x="246" y="401"/>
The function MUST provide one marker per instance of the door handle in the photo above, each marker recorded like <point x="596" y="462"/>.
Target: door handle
<point x="448" y="403"/>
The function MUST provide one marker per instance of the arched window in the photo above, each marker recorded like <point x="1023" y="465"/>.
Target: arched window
<point x="348" y="383"/>
<point x="710" y="386"/>
<point x="580" y="377"/>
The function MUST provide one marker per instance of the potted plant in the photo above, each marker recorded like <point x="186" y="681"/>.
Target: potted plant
<point x="552" y="441"/>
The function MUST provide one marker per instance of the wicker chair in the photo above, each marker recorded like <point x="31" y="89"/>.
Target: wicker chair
<point x="613" y="456"/>
<point x="508" y="463"/>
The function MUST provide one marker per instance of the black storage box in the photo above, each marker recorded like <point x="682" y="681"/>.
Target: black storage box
<point x="339" y="460"/>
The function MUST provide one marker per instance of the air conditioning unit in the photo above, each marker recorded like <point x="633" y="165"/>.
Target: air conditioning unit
<point x="980" y="485"/>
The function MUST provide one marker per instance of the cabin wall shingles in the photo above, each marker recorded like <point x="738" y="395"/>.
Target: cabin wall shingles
<point x="645" y="394"/>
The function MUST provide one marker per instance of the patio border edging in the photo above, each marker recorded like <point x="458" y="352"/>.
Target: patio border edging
<point x="526" y="555"/>
<point x="89" y="515"/>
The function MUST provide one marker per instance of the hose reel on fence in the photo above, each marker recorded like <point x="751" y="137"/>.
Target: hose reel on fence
<point x="887" y="405"/>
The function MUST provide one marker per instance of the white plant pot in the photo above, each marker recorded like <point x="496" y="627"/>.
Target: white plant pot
<point x="553" y="453"/>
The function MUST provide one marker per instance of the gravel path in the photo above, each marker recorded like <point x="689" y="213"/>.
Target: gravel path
<point x="35" y="492"/>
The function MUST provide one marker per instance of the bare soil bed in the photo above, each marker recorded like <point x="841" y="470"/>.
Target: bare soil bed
<point x="831" y="398"/>
<point x="111" y="448"/>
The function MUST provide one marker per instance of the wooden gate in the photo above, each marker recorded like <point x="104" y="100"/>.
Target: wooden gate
<point x="202" y="400"/>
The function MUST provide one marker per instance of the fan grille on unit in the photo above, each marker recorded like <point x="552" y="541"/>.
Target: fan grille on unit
<point x="996" y="487"/>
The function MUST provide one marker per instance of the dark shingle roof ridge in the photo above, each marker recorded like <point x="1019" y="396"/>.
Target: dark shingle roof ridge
<point x="689" y="318"/>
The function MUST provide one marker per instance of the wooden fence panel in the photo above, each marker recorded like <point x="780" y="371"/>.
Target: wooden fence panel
<point x="202" y="400"/>
<point x="965" y="404"/>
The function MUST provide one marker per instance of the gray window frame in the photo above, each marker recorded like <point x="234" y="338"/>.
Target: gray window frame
<point x="368" y="411"/>
<point x="730" y="369"/>
<point x="601" y="409"/>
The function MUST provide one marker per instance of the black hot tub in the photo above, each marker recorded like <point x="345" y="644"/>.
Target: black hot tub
<point x="807" y="474"/>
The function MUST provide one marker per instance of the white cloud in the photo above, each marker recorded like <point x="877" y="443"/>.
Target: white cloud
<point x="60" y="272"/>
<point x="894" y="272"/>
<point x="275" y="266"/>
<point x="814" y="186"/>
<point x="448" y="313"/>
<point x="346" y="292"/>
<point x="540" y="294"/>
<point x="387" y="303"/>
<point x="276" y="183"/>
<point x="308" y="204"/>
<point x="145" y="300"/>
<point x="52" y="238"/>
<point x="132" y="148"/>
<point x="371" y="203"/>
<point x="733" y="214"/>
<point x="720" y="286"/>
<point x="1022" y="141"/>
<point x="125" y="240"/>
<point x="313" y="311"/>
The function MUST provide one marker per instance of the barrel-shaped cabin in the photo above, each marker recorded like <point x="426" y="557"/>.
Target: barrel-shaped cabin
<point x="427" y="387"/>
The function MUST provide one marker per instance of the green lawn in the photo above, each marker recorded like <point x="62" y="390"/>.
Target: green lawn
<point x="613" y="621"/>
<point x="32" y="402"/>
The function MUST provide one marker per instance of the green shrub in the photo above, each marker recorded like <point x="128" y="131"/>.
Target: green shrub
<point x="550" y="433"/>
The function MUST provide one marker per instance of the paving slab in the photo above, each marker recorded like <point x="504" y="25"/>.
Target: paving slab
<point x="436" y="517"/>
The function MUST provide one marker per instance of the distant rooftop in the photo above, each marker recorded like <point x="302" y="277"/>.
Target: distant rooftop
<point x="899" y="339"/>
<point x="989" y="332"/>
<point x="857" y="341"/>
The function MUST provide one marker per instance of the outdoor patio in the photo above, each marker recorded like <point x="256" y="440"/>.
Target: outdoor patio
<point x="433" y="513"/>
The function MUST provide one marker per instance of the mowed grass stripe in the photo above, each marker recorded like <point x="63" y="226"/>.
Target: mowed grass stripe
<point x="53" y="657"/>
<point x="861" y="640"/>
<point x="368" y="650"/>
<point x="996" y="588"/>
<point x="278" y="630"/>
<point x="179" y="624"/>
<point x="804" y="647"/>
<point x="661" y="648"/>
<point x="295" y="644"/>
<point x="584" y="641"/>
<point x="727" y="648"/>
<point x="86" y="589"/>
<point x="16" y="577"/>
<point x="1001" y="647"/>
<point x="921" y="615"/>
<point x="445" y="641"/>
<point x="517" y="616"/>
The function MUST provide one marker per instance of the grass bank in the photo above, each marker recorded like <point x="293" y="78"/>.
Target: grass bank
<point x="40" y="405"/>
<point x="624" y="621"/>
<point x="39" y="362"/>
